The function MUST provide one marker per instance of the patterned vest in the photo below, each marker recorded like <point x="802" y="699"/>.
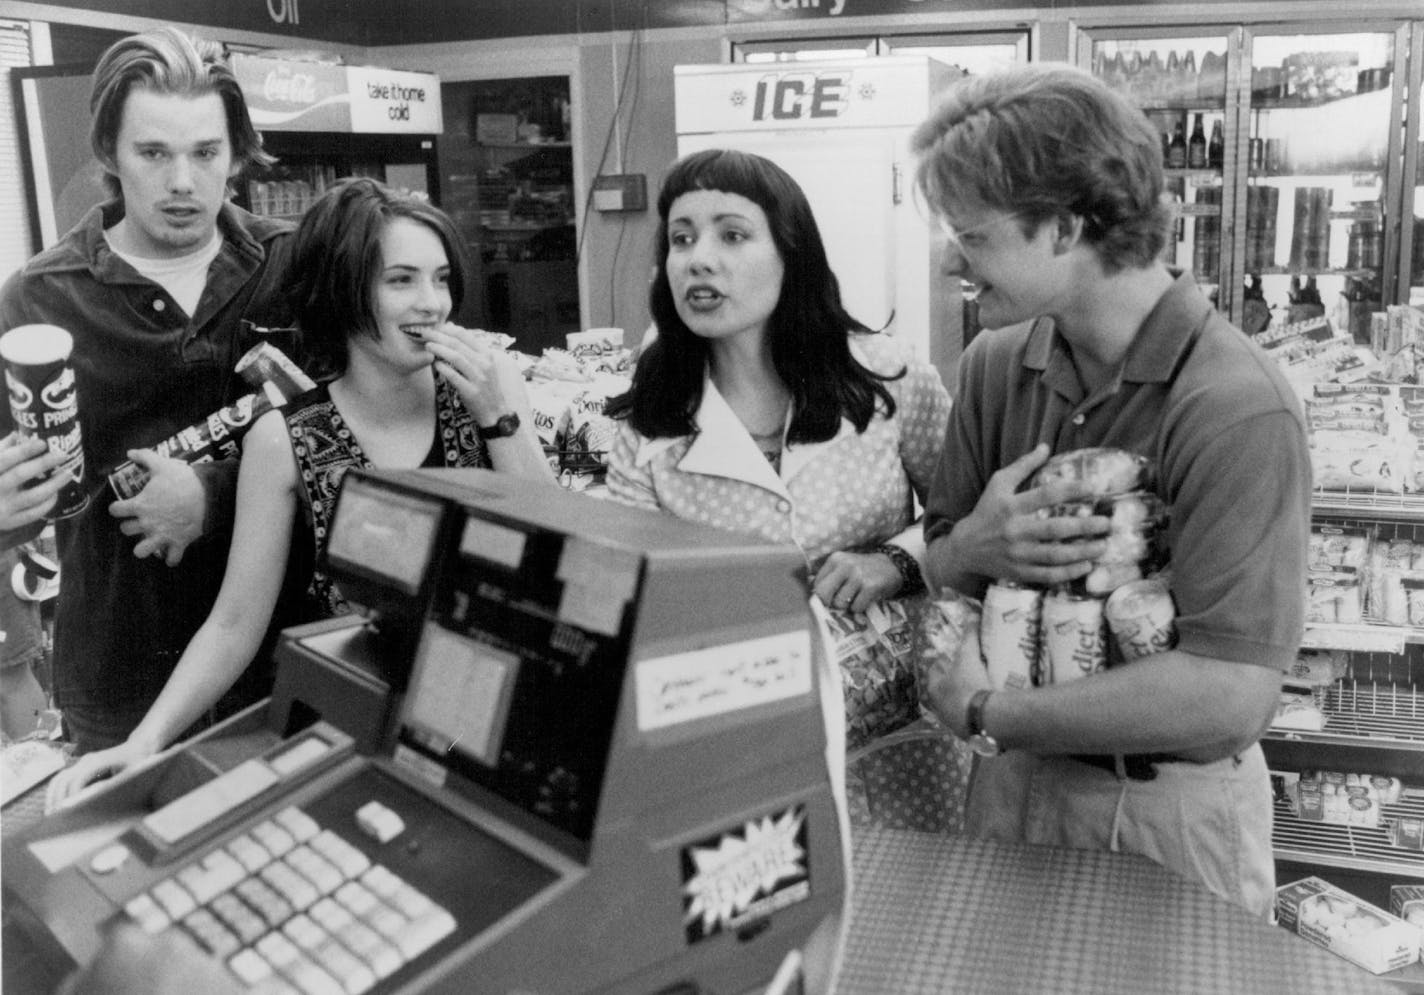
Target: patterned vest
<point x="325" y="449"/>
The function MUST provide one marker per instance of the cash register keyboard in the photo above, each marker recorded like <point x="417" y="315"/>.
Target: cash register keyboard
<point x="293" y="907"/>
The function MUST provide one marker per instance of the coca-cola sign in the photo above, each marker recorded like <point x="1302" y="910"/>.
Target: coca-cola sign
<point x="283" y="86"/>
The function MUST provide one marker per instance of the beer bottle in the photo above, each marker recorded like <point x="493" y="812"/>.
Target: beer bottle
<point x="1177" y="147"/>
<point x="1216" y="148"/>
<point x="1196" y="145"/>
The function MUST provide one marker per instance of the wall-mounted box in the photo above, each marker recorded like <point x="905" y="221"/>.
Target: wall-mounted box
<point x="620" y="192"/>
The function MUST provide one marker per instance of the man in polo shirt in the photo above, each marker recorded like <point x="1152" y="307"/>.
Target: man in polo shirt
<point x="1050" y="185"/>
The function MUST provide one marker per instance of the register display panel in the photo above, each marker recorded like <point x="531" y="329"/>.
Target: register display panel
<point x="516" y="681"/>
<point x="384" y="534"/>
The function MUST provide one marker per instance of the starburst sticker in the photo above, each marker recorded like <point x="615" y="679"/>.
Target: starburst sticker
<point x="745" y="874"/>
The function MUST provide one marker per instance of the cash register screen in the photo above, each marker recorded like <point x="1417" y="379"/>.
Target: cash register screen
<point x="459" y="696"/>
<point x="385" y="534"/>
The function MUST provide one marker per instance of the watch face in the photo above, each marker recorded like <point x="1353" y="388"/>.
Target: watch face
<point x="503" y="427"/>
<point x="984" y="745"/>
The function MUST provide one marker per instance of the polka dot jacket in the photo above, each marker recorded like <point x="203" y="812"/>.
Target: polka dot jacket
<point x="854" y="491"/>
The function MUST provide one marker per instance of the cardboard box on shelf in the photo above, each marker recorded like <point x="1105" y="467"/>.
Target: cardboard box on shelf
<point x="496" y="129"/>
<point x="1347" y="926"/>
<point x="1407" y="902"/>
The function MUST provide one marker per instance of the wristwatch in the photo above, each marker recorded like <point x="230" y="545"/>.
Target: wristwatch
<point x="504" y="426"/>
<point x="979" y="740"/>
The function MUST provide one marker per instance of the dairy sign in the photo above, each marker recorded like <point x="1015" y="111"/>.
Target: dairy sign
<point x="882" y="93"/>
<point x="286" y="95"/>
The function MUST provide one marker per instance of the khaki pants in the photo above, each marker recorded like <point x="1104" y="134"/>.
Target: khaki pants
<point x="1209" y="823"/>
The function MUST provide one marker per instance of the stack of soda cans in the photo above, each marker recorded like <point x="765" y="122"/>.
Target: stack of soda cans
<point x="1118" y="612"/>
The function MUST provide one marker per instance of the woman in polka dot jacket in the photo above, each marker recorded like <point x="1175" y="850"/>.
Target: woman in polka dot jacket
<point x="761" y="405"/>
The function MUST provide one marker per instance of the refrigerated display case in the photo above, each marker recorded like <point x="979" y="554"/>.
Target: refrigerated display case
<point x="1180" y="82"/>
<point x="1309" y="212"/>
<point x="1295" y="210"/>
<point x="506" y="164"/>
<point x="325" y="120"/>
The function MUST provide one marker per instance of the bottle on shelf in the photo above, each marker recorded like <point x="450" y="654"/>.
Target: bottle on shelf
<point x="1189" y="87"/>
<point x="1255" y="312"/>
<point x="1153" y="77"/>
<point x="1216" y="147"/>
<point x="1177" y="147"/>
<point x="1196" y="145"/>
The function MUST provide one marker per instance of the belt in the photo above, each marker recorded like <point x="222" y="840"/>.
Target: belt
<point x="1136" y="766"/>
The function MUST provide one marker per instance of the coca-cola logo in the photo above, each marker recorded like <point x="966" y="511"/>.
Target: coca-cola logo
<point x="21" y="397"/>
<point x="58" y="394"/>
<point x="282" y="86"/>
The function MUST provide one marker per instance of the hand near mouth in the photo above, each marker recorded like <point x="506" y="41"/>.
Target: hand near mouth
<point x="473" y="360"/>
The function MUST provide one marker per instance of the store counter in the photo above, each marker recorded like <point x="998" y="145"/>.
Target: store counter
<point x="933" y="913"/>
<point x="937" y="913"/>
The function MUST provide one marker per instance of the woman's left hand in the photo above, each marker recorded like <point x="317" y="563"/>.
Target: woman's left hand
<point x="485" y="375"/>
<point x="855" y="581"/>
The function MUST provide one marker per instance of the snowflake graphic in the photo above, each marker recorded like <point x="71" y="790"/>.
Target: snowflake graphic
<point x="739" y="97"/>
<point x="866" y="91"/>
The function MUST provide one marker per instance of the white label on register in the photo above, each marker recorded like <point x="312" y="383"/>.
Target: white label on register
<point x="727" y="678"/>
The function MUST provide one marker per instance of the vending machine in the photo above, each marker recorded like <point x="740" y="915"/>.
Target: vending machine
<point x="842" y="129"/>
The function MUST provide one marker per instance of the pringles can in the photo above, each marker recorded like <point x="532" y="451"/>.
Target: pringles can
<point x="1142" y="618"/>
<point x="1073" y="644"/>
<point x="45" y="403"/>
<point x="1009" y="633"/>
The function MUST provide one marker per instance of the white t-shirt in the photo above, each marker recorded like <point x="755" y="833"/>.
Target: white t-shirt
<point x="184" y="277"/>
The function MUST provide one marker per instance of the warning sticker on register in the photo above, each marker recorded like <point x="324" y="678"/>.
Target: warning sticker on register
<point x="720" y="679"/>
<point x="745" y="873"/>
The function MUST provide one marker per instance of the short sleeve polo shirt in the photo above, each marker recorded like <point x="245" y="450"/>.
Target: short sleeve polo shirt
<point x="1224" y="433"/>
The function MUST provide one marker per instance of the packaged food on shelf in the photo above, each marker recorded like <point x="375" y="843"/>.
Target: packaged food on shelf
<point x="1333" y="547"/>
<point x="1342" y="799"/>
<point x="1346" y="925"/>
<point x="1407" y="902"/>
<point x="1334" y="596"/>
<point x="1298" y="711"/>
<point x="1315" y="669"/>
<point x="1407" y="833"/>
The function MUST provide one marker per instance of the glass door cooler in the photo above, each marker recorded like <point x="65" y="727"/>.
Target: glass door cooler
<point x="1285" y="147"/>
<point x="1323" y="128"/>
<point x="1180" y="80"/>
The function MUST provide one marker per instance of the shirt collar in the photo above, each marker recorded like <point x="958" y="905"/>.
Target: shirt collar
<point x="721" y="447"/>
<point x="1156" y="349"/>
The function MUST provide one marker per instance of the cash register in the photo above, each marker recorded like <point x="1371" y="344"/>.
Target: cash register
<point x="563" y="746"/>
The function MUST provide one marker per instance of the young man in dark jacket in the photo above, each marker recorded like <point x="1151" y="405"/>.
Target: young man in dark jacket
<point x="163" y="288"/>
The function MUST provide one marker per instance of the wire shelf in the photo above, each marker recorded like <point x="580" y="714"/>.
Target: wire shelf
<point x="1355" y="847"/>
<point x="1369" y="503"/>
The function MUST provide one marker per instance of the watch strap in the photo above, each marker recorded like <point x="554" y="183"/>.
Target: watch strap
<point x="975" y="714"/>
<point x="504" y="426"/>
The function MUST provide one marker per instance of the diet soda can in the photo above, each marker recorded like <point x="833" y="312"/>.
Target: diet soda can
<point x="1010" y="633"/>
<point x="1142" y="618"/>
<point x="44" y="403"/>
<point x="1073" y="644"/>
